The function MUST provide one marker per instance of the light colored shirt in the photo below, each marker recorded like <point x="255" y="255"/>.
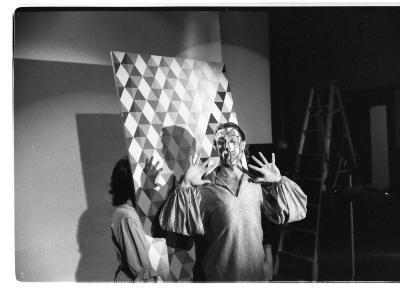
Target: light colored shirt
<point x="130" y="246"/>
<point x="231" y="244"/>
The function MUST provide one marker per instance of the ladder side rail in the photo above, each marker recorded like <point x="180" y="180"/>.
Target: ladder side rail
<point x="324" y="171"/>
<point x="346" y="126"/>
<point x="303" y="133"/>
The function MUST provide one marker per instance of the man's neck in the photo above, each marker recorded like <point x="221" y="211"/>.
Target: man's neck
<point x="230" y="172"/>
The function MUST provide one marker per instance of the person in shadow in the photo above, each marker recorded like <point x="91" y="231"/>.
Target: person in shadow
<point x="179" y="134"/>
<point x="127" y="232"/>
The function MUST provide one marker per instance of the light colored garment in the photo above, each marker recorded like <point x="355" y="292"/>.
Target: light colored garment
<point x="130" y="246"/>
<point x="231" y="245"/>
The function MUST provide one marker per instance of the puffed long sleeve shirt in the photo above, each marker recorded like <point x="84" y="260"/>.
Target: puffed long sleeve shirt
<point x="230" y="225"/>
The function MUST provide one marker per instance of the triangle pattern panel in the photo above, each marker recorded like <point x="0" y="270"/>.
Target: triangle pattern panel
<point x="170" y="110"/>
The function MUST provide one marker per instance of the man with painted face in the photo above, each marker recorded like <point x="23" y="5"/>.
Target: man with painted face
<point x="221" y="206"/>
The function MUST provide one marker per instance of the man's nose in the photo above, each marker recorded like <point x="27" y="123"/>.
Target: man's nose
<point x="231" y="146"/>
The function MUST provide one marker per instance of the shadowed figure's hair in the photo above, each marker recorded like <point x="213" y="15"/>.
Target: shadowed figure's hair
<point x="121" y="185"/>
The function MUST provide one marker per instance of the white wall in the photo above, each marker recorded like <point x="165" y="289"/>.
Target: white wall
<point x="68" y="133"/>
<point x="245" y="52"/>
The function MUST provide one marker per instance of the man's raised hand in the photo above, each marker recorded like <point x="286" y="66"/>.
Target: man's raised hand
<point x="269" y="172"/>
<point x="194" y="174"/>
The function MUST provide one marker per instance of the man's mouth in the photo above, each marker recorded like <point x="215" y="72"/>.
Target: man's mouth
<point x="229" y="157"/>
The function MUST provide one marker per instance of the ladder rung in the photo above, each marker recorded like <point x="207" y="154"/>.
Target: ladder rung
<point x="311" y="154"/>
<point x="337" y="110"/>
<point x="302" y="229"/>
<point x="314" y="130"/>
<point x="319" y="107"/>
<point x="296" y="255"/>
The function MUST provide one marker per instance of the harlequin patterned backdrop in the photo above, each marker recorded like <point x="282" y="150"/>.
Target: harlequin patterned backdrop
<point x="170" y="110"/>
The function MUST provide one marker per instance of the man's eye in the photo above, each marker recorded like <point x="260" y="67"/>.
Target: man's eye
<point x="233" y="140"/>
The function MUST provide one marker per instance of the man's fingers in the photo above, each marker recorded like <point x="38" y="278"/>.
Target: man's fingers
<point x="257" y="161"/>
<point x="255" y="168"/>
<point x="206" y="181"/>
<point x="263" y="158"/>
<point x="190" y="160"/>
<point x="211" y="168"/>
<point x="205" y="163"/>
<point x="273" y="159"/>
<point x="197" y="157"/>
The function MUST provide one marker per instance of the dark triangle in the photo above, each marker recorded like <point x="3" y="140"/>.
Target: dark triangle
<point x="124" y="115"/>
<point x="212" y="119"/>
<point x="153" y="69"/>
<point x="214" y="153"/>
<point x="163" y="63"/>
<point x="157" y="92"/>
<point x="135" y="72"/>
<point x="130" y="83"/>
<point x="128" y="68"/>
<point x="139" y="96"/>
<point x="131" y="91"/>
<point x="149" y="80"/>
<point x="219" y="105"/>
<point x="148" y="145"/>
<point x="175" y="97"/>
<point x="139" y="133"/>
<point x="153" y="103"/>
<point x="137" y="105"/>
<point x="143" y="157"/>
<point x="168" y="84"/>
<point x="120" y="90"/>
<point x="127" y="60"/>
<point x="222" y="94"/>
<point x="161" y="115"/>
<point x="172" y="108"/>
<point x="143" y="120"/>
<point x="171" y="75"/>
<point x="151" y="96"/>
<point x="209" y="130"/>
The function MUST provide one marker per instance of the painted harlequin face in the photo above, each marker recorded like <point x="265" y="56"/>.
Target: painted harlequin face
<point x="229" y="145"/>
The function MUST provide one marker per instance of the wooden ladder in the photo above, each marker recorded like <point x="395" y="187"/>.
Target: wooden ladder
<point x="311" y="170"/>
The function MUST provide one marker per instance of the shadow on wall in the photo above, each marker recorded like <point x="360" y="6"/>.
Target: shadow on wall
<point x="102" y="144"/>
